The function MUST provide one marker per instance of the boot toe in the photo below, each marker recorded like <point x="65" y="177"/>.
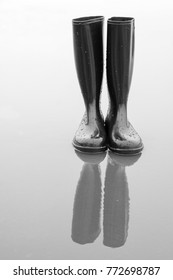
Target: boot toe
<point x="90" y="137"/>
<point x="89" y="144"/>
<point x="89" y="141"/>
<point x="125" y="140"/>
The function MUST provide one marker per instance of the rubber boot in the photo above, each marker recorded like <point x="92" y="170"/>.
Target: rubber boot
<point x="88" y="52"/>
<point x="122" y="137"/>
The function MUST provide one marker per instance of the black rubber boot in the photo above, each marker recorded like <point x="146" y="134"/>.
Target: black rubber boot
<point x="122" y="137"/>
<point x="88" y="51"/>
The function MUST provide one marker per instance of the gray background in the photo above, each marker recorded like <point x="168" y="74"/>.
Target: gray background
<point x="40" y="109"/>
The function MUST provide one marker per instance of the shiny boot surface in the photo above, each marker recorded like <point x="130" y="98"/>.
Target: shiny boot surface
<point x="122" y="137"/>
<point x="88" y="51"/>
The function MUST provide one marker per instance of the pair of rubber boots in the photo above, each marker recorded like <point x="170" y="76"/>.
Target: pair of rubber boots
<point x="116" y="133"/>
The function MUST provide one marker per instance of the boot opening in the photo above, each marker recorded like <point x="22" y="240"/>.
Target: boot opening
<point x="120" y="20"/>
<point x="84" y="20"/>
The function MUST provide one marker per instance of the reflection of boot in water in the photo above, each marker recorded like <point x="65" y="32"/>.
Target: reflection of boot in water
<point x="116" y="200"/>
<point x="87" y="204"/>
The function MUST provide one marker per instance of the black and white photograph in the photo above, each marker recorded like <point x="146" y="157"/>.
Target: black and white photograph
<point x="86" y="130"/>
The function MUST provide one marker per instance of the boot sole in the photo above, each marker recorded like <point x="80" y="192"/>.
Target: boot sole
<point x="127" y="151"/>
<point x="89" y="149"/>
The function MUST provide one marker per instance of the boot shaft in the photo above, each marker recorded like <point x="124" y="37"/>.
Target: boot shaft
<point x="88" y="52"/>
<point x="120" y="58"/>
